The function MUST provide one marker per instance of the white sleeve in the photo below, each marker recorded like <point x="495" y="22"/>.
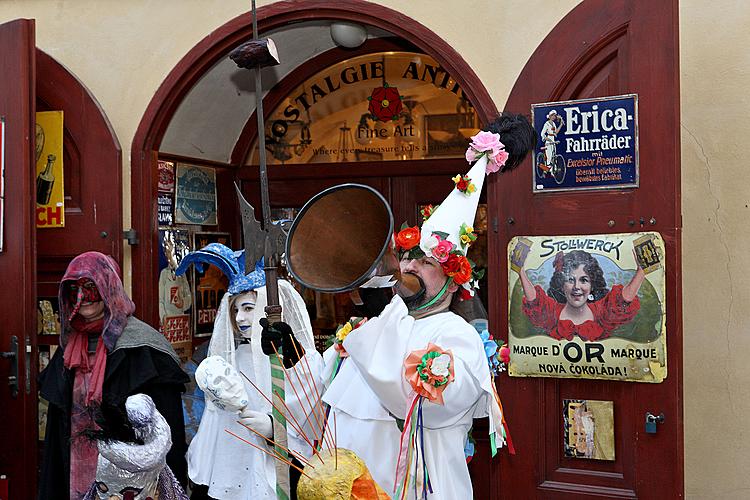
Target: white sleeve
<point x="378" y="348"/>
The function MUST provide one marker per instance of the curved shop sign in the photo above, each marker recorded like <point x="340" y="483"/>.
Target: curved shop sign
<point x="586" y="144"/>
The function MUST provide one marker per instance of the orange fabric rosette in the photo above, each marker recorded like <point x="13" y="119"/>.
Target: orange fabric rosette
<point x="429" y="371"/>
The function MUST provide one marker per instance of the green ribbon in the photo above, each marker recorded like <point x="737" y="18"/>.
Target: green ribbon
<point x="436" y="297"/>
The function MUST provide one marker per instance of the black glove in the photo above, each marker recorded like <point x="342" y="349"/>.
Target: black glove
<point x="280" y="334"/>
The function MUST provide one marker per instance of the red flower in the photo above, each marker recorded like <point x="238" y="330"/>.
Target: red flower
<point x="385" y="103"/>
<point x="462" y="185"/>
<point x="451" y="266"/>
<point x="465" y="294"/>
<point x="505" y="354"/>
<point x="464" y="273"/>
<point x="408" y="238"/>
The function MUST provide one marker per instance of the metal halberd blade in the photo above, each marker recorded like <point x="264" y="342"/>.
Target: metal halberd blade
<point x="256" y="238"/>
<point x="253" y="235"/>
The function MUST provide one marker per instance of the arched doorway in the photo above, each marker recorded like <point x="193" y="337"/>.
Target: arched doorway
<point x="292" y="182"/>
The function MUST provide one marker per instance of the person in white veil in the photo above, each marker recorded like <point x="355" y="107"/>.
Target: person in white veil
<point x="231" y="468"/>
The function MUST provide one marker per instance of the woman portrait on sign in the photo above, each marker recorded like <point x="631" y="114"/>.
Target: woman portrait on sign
<point x="577" y="302"/>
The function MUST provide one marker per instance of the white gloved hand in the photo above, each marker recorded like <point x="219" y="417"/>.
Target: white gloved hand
<point x="258" y="421"/>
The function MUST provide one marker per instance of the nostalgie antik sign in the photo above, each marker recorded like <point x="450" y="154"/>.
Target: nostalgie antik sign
<point x="586" y="144"/>
<point x="588" y="307"/>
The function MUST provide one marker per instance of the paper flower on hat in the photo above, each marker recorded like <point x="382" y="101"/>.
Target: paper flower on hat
<point x="467" y="235"/>
<point x="464" y="185"/>
<point x="427" y="210"/>
<point x="429" y="371"/>
<point x="231" y="263"/>
<point x="487" y="144"/>
<point x="385" y="103"/>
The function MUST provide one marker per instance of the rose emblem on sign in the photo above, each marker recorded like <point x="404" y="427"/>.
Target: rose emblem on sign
<point x="385" y="103"/>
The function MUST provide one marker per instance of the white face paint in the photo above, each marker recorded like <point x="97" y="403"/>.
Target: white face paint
<point x="243" y="312"/>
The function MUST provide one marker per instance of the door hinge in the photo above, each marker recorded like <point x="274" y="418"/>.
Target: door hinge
<point x="131" y="235"/>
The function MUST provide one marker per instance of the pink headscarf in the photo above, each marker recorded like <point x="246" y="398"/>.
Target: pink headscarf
<point x="105" y="273"/>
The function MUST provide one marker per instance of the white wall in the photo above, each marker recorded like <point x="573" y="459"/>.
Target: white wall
<point x="715" y="71"/>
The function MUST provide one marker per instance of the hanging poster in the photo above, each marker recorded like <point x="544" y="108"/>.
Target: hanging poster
<point x="165" y="183"/>
<point x="165" y="205"/>
<point x="588" y="307"/>
<point x="195" y="195"/>
<point x="210" y="285"/>
<point x="50" y="196"/>
<point x="588" y="429"/>
<point x="586" y="144"/>
<point x="175" y="298"/>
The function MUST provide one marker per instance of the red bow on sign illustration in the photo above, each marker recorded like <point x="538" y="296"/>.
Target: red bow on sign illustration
<point x="385" y="103"/>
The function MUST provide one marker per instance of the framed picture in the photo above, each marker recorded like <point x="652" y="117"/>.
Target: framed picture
<point x="195" y="195"/>
<point x="210" y="285"/>
<point x="442" y="136"/>
<point x="364" y="155"/>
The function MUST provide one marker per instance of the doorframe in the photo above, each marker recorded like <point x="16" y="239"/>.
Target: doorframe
<point x="161" y="109"/>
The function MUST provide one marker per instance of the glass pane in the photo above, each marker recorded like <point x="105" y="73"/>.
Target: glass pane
<point x="383" y="106"/>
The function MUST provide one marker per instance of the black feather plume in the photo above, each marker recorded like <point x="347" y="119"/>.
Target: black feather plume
<point x="517" y="134"/>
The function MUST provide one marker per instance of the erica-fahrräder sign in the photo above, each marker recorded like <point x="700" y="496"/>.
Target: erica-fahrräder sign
<point x="590" y="306"/>
<point x="50" y="193"/>
<point x="586" y="144"/>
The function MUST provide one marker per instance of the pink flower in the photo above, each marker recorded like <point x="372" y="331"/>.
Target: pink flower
<point x="505" y="354"/>
<point x="471" y="155"/>
<point x="498" y="161"/>
<point x="487" y="142"/>
<point x="442" y="250"/>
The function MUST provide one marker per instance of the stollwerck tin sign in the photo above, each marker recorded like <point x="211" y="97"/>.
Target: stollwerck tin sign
<point x="586" y="144"/>
<point x="195" y="195"/>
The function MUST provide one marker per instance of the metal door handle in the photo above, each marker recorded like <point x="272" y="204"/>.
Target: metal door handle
<point x="13" y="356"/>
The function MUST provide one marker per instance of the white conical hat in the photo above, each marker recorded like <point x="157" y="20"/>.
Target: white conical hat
<point x="457" y="209"/>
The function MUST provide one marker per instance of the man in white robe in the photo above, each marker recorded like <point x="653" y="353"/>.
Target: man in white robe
<point x="370" y="390"/>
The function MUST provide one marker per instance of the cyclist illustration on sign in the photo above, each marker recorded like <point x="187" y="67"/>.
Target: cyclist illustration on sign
<point x="548" y="162"/>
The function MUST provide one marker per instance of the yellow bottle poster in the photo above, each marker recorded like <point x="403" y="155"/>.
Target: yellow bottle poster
<point x="589" y="306"/>
<point x="50" y="197"/>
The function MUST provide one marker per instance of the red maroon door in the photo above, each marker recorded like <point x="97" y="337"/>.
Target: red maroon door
<point x="602" y="48"/>
<point x="17" y="263"/>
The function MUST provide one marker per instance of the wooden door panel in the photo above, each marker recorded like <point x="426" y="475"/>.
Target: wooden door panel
<point x="599" y="49"/>
<point x="92" y="176"/>
<point x="17" y="265"/>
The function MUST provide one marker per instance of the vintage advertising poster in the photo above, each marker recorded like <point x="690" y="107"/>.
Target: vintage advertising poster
<point x="165" y="198"/>
<point x="50" y="196"/>
<point x="210" y="285"/>
<point x="165" y="184"/>
<point x="175" y="298"/>
<point x="588" y="429"/>
<point x="590" y="306"/>
<point x="195" y="195"/>
<point x="586" y="144"/>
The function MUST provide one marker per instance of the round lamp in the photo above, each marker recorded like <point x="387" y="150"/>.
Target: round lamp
<point x="349" y="35"/>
